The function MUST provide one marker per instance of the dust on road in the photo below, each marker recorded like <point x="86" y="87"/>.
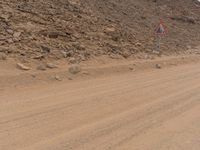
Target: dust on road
<point x="148" y="110"/>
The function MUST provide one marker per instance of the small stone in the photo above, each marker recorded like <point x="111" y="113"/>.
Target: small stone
<point x="17" y="34"/>
<point x="3" y="56"/>
<point x="72" y="60"/>
<point x="85" y="73"/>
<point x="146" y="56"/>
<point x="53" y="35"/>
<point x="74" y="69"/>
<point x="156" y="52"/>
<point x="64" y="54"/>
<point x="16" y="39"/>
<point x="41" y="67"/>
<point x="113" y="56"/>
<point x="126" y="54"/>
<point x="138" y="44"/>
<point x="5" y="16"/>
<point x="109" y="29"/>
<point x="70" y="78"/>
<point x="82" y="57"/>
<point x="131" y="68"/>
<point x="10" y="41"/>
<point x="33" y="75"/>
<point x="39" y="57"/>
<point x="158" y="66"/>
<point x="10" y="31"/>
<point x="51" y="66"/>
<point x="189" y="47"/>
<point x="23" y="67"/>
<point x="46" y="49"/>
<point x="58" y="78"/>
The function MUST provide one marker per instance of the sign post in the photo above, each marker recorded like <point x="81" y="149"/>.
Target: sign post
<point x="160" y="31"/>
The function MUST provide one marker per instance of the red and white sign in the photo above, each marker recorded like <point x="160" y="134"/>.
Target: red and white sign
<point x="160" y="30"/>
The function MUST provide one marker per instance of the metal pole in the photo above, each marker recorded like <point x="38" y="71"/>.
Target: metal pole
<point x="158" y="43"/>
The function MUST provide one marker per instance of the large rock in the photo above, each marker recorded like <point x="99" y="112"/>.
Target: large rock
<point x="46" y="49"/>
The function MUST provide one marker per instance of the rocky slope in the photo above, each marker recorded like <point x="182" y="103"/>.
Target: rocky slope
<point x="49" y="29"/>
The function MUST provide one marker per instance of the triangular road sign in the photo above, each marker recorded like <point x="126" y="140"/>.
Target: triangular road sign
<point x="160" y="30"/>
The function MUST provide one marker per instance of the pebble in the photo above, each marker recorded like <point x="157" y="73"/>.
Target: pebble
<point x="158" y="66"/>
<point x="58" y="78"/>
<point x="23" y="67"/>
<point x="51" y="66"/>
<point x="72" y="60"/>
<point x="74" y="69"/>
<point x="17" y="34"/>
<point x="41" y="67"/>
<point x="85" y="73"/>
<point x="3" y="56"/>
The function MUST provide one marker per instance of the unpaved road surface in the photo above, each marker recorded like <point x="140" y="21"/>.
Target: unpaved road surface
<point x="156" y="109"/>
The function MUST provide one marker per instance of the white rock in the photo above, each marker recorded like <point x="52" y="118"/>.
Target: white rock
<point x="51" y="66"/>
<point x="23" y="67"/>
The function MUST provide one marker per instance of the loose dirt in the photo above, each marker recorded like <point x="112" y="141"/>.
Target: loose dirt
<point x="150" y="109"/>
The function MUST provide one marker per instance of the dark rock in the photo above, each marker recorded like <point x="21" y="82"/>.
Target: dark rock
<point x="131" y="68"/>
<point x="46" y="49"/>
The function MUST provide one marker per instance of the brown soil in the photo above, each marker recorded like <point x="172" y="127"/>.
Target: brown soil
<point x="154" y="109"/>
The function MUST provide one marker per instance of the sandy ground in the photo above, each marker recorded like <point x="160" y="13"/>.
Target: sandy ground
<point x="152" y="109"/>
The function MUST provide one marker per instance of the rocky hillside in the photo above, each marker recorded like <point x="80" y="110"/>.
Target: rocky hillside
<point x="56" y="29"/>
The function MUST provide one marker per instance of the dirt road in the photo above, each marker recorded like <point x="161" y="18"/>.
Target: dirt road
<point x="157" y="109"/>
